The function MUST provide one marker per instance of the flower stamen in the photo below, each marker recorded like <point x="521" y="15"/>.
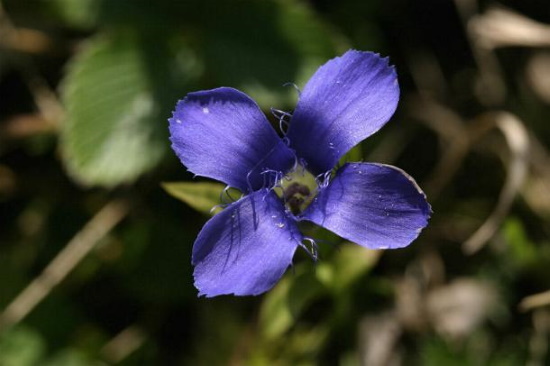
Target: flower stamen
<point x="297" y="189"/>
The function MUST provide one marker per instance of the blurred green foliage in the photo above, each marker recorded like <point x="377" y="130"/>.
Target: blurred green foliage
<point x="86" y="88"/>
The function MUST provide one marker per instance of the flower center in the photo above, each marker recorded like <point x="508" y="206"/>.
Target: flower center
<point x="298" y="188"/>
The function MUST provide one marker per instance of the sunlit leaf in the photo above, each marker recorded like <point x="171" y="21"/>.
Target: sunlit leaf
<point x="116" y="94"/>
<point x="355" y="154"/>
<point x="202" y="196"/>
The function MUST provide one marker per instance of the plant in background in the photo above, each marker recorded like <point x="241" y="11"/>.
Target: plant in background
<point x="222" y="134"/>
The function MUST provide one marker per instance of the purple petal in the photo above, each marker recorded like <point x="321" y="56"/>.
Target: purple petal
<point x="223" y="134"/>
<point x="246" y="248"/>
<point x="374" y="205"/>
<point x="347" y="100"/>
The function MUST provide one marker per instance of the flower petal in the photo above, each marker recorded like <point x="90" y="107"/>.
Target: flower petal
<point x="374" y="205"/>
<point x="223" y="134"/>
<point x="246" y="248"/>
<point x="348" y="99"/>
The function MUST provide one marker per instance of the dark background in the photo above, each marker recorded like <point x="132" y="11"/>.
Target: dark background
<point x="86" y="88"/>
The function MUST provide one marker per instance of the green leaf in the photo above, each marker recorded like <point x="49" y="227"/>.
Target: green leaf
<point x="81" y="14"/>
<point x="354" y="155"/>
<point x="202" y="196"/>
<point x="21" y="346"/>
<point x="349" y="263"/>
<point x="116" y="95"/>
<point x="263" y="45"/>
<point x="275" y="315"/>
<point x="287" y="301"/>
<point x="69" y="357"/>
<point x="522" y="251"/>
<point x="435" y="352"/>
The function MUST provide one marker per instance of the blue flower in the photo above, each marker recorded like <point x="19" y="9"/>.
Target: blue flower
<point x="222" y="134"/>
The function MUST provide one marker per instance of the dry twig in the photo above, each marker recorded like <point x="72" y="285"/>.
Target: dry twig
<point x="73" y="253"/>
<point x="517" y="139"/>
